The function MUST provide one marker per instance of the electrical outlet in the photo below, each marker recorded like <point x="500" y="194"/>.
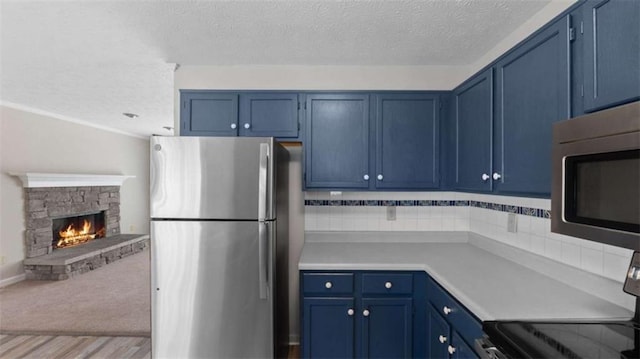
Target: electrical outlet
<point x="391" y="213"/>
<point x="1" y="260"/>
<point x="132" y="228"/>
<point x="512" y="223"/>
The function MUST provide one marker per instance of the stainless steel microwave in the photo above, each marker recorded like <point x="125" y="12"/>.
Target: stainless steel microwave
<point x="595" y="191"/>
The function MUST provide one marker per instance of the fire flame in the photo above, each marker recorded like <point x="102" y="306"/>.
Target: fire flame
<point x="71" y="237"/>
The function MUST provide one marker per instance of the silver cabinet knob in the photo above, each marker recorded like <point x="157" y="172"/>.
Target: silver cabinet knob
<point x="328" y="285"/>
<point x="388" y="285"/>
<point x="247" y="126"/>
<point x="350" y="312"/>
<point x="485" y="176"/>
<point x="446" y="310"/>
<point x="366" y="177"/>
<point x="380" y="177"/>
<point x="233" y="126"/>
<point x="365" y="312"/>
<point x="496" y="176"/>
<point x="451" y="349"/>
<point x="442" y="339"/>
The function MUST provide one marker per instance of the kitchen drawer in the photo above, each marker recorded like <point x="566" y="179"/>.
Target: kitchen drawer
<point x="327" y="283"/>
<point x="387" y="283"/>
<point x="456" y="314"/>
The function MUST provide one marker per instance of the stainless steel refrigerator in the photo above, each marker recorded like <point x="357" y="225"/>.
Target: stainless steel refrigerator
<point x="218" y="247"/>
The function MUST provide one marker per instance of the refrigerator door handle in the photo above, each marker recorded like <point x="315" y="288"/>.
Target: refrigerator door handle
<point x="262" y="182"/>
<point x="263" y="262"/>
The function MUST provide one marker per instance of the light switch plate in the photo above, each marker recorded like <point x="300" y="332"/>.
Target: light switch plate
<point x="512" y="223"/>
<point x="391" y="213"/>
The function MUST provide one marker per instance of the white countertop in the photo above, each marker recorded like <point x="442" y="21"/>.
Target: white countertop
<point x="490" y="286"/>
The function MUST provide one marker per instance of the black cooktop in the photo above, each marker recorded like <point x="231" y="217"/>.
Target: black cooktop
<point x="620" y="340"/>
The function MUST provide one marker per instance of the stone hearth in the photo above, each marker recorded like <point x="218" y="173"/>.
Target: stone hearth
<point x="68" y="262"/>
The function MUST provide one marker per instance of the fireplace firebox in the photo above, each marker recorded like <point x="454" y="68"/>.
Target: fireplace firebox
<point x="77" y="230"/>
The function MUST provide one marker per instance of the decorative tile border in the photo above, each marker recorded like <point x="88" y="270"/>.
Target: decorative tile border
<point x="526" y="211"/>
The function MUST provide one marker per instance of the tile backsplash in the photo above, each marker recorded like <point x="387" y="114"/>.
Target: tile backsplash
<point x="486" y="215"/>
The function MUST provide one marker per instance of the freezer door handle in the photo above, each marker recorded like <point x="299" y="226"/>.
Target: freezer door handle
<point x="262" y="182"/>
<point x="263" y="262"/>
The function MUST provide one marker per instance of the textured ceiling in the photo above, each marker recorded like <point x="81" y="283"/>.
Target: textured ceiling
<point x="94" y="60"/>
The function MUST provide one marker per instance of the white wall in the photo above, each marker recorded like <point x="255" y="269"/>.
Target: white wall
<point x="31" y="142"/>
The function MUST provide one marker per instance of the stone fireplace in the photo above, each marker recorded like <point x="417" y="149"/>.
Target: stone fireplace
<point x="73" y="224"/>
<point x="47" y="205"/>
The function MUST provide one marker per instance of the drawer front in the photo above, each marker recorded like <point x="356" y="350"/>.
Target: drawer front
<point x="327" y="283"/>
<point x="462" y="321"/>
<point x="387" y="283"/>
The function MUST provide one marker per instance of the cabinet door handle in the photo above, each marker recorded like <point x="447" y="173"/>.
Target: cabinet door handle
<point x="451" y="349"/>
<point x="442" y="339"/>
<point x="485" y="177"/>
<point x="496" y="176"/>
<point x="247" y="126"/>
<point x="350" y="312"/>
<point x="233" y="126"/>
<point x="328" y="285"/>
<point x="388" y="285"/>
<point x="380" y="177"/>
<point x="365" y="312"/>
<point x="366" y="177"/>
<point x="446" y="310"/>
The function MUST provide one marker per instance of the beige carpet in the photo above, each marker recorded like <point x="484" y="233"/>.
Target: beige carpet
<point x="111" y="300"/>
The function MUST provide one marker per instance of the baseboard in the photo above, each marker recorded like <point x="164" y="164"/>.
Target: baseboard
<point x="11" y="280"/>
<point x="294" y="339"/>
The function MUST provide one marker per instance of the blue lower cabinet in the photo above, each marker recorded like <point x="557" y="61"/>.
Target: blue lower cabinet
<point x="328" y="327"/>
<point x="376" y="319"/>
<point x="460" y="349"/>
<point x="438" y="335"/>
<point x="452" y="329"/>
<point x="387" y="327"/>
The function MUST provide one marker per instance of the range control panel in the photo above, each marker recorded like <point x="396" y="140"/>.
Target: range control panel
<point x="632" y="282"/>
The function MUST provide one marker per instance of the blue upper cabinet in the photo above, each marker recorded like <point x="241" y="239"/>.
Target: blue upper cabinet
<point x="407" y="141"/>
<point x="473" y="111"/>
<point x="611" y="53"/>
<point x="269" y="114"/>
<point x="337" y="141"/>
<point x="256" y="114"/>
<point x="532" y="92"/>
<point x="396" y="146"/>
<point x="208" y="114"/>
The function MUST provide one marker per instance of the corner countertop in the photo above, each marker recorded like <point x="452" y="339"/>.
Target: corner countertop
<point x="492" y="287"/>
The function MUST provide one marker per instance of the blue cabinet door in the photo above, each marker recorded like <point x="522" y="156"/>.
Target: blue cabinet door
<point x="461" y="350"/>
<point x="269" y="114"/>
<point x="328" y="328"/>
<point x="386" y="327"/>
<point x="205" y="113"/>
<point x="407" y="141"/>
<point x="532" y="94"/>
<point x="439" y="337"/>
<point x="611" y="52"/>
<point x="473" y="104"/>
<point x="337" y="141"/>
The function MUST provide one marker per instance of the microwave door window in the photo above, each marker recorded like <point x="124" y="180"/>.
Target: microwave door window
<point x="605" y="190"/>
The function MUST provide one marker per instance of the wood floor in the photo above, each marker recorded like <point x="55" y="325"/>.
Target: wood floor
<point x="59" y="347"/>
<point x="43" y="346"/>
